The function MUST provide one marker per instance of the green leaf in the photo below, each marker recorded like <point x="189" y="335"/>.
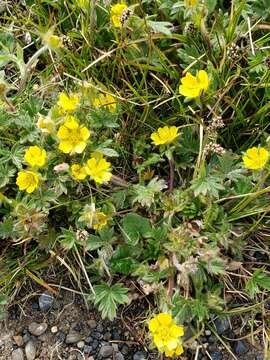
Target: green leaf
<point x="107" y="298"/>
<point x="145" y="195"/>
<point x="163" y="27"/>
<point x="123" y="260"/>
<point x="67" y="238"/>
<point x="258" y="280"/>
<point x="135" y="226"/>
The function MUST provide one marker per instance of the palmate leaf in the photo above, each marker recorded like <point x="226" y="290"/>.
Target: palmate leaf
<point x="145" y="195"/>
<point x="134" y="227"/>
<point x="107" y="298"/>
<point x="258" y="280"/>
<point x="208" y="184"/>
<point x="163" y="27"/>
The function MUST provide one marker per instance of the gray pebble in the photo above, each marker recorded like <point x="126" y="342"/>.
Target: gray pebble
<point x="106" y="351"/>
<point x="72" y="337"/>
<point x="216" y="355"/>
<point x="240" y="347"/>
<point x="80" y="344"/>
<point x="26" y="337"/>
<point x="260" y="357"/>
<point x="30" y="350"/>
<point x="45" y="301"/>
<point x="107" y="336"/>
<point x="125" y="349"/>
<point x="99" y="328"/>
<point x="17" y="354"/>
<point x="222" y="325"/>
<point x="37" y="329"/>
<point x="207" y="333"/>
<point x="87" y="349"/>
<point x="140" y="355"/>
<point x="92" y="323"/>
<point x="119" y="356"/>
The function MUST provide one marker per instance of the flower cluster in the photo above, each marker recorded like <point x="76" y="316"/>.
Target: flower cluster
<point x="166" y="334"/>
<point x="72" y="138"/>
<point x="35" y="158"/>
<point x="256" y="158"/>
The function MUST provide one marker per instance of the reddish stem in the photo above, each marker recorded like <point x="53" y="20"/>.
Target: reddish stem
<point x="171" y="176"/>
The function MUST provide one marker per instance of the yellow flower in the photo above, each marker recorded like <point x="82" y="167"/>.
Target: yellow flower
<point x="100" y="220"/>
<point x="78" y="171"/>
<point x="52" y="41"/>
<point x="191" y="3"/>
<point x="164" y="135"/>
<point x="192" y="86"/>
<point x="27" y="180"/>
<point x="256" y="158"/>
<point x="35" y="156"/>
<point x="45" y="124"/>
<point x="166" y="334"/>
<point x="98" y="168"/>
<point x="73" y="136"/>
<point x="117" y="11"/>
<point x="107" y="101"/>
<point x="68" y="102"/>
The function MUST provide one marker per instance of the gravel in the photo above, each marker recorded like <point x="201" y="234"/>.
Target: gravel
<point x="45" y="301"/>
<point x="222" y="325"/>
<point x="30" y="350"/>
<point x="106" y="351"/>
<point x="37" y="329"/>
<point x="72" y="337"/>
<point x="240" y="347"/>
<point x="17" y="354"/>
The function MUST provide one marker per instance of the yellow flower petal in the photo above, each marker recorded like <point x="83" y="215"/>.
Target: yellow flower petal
<point x="165" y="135"/>
<point x="256" y="158"/>
<point x="192" y="86"/>
<point x="27" y="180"/>
<point x="164" y="319"/>
<point x="73" y="137"/>
<point x="35" y="156"/>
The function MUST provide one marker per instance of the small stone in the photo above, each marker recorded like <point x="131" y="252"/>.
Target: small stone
<point x="18" y="340"/>
<point x="140" y="355"/>
<point x="45" y="301"/>
<point x="17" y="354"/>
<point x="222" y="325"/>
<point x="240" y="347"/>
<point x="87" y="349"/>
<point x="26" y="337"/>
<point x="97" y="335"/>
<point x="80" y="344"/>
<point x="37" y="329"/>
<point x="116" y="335"/>
<point x="119" y="356"/>
<point x="115" y="347"/>
<point x="106" y="351"/>
<point x="100" y="328"/>
<point x="107" y="336"/>
<point x="259" y="357"/>
<point x="30" y="350"/>
<point x="216" y="355"/>
<point x="88" y="340"/>
<point x="207" y="333"/>
<point x="54" y="329"/>
<point x="212" y="339"/>
<point x="72" y="337"/>
<point x="92" y="323"/>
<point x="125" y="349"/>
<point x="61" y="336"/>
<point x="95" y="344"/>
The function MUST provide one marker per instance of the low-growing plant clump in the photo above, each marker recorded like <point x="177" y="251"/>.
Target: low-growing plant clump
<point x="135" y="148"/>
